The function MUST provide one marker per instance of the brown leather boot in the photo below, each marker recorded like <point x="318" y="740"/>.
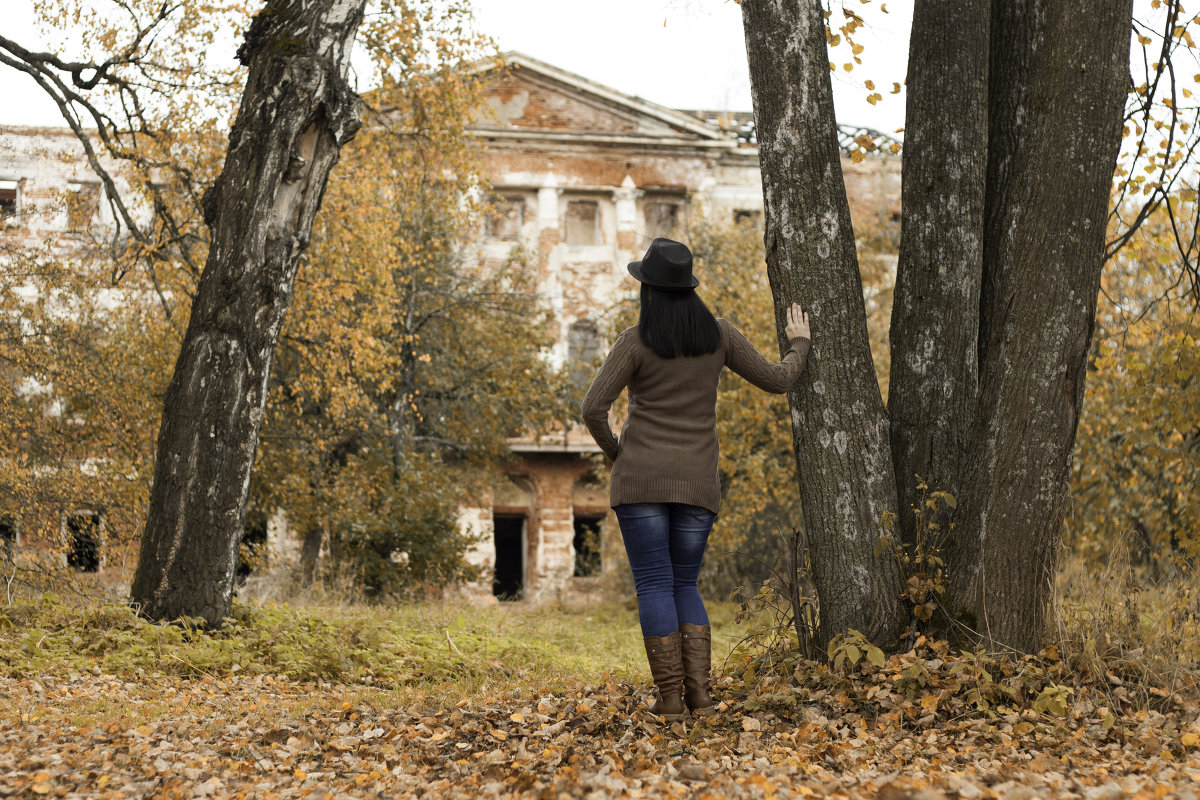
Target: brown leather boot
<point x="697" y="664"/>
<point x="666" y="666"/>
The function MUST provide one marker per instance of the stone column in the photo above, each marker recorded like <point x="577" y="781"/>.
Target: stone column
<point x="548" y="223"/>
<point x="552" y="555"/>
<point x="549" y="261"/>
<point x="625" y="200"/>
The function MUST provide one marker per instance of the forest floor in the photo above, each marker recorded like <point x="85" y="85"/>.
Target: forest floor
<point x="451" y="701"/>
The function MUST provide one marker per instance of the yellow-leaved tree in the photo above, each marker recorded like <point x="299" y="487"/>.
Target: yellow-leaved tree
<point x="408" y="359"/>
<point x="91" y="314"/>
<point x="404" y="362"/>
<point x="1137" y="462"/>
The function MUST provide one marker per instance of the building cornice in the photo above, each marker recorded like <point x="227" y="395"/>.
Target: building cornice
<point x="535" y="135"/>
<point x="670" y="116"/>
<point x="43" y="130"/>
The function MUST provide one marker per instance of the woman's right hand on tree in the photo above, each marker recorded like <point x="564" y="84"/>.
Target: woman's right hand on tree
<point x="797" y="323"/>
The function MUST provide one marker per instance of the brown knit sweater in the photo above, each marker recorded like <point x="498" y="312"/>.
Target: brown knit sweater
<point x="668" y="447"/>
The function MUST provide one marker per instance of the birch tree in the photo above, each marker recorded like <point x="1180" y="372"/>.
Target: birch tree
<point x="296" y="112"/>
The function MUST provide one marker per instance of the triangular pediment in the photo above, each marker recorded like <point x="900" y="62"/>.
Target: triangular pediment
<point x="524" y="94"/>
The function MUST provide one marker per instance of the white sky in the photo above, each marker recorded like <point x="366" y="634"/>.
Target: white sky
<point x="678" y="53"/>
<point x="691" y="53"/>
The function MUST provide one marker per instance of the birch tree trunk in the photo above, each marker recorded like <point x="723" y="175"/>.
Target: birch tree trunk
<point x="297" y="111"/>
<point x="839" y="426"/>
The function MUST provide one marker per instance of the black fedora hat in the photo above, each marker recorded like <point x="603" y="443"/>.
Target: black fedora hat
<point x="666" y="265"/>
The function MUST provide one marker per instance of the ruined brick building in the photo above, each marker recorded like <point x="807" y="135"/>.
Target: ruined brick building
<point x="50" y="199"/>
<point x="584" y="177"/>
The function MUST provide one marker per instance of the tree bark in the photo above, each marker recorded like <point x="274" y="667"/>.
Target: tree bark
<point x="310" y="553"/>
<point x="839" y="426"/>
<point x="1013" y="130"/>
<point x="1055" y="100"/>
<point x="296" y="113"/>
<point x="935" y="313"/>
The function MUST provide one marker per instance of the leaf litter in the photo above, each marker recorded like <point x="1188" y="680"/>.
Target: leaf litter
<point x="97" y="735"/>
<point x="85" y="712"/>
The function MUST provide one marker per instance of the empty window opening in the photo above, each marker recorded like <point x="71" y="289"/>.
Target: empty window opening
<point x="253" y="550"/>
<point x="8" y="202"/>
<point x="508" y="583"/>
<point x="587" y="545"/>
<point x="506" y="218"/>
<point x="583" y="348"/>
<point x="83" y="541"/>
<point x="747" y="216"/>
<point x="662" y="219"/>
<point x="8" y="536"/>
<point x="83" y="201"/>
<point x="583" y="222"/>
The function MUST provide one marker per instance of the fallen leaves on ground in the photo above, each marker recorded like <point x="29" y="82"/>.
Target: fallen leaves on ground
<point x="103" y="736"/>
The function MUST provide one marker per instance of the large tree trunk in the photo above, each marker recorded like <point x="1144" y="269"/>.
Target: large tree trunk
<point x="1055" y="100"/>
<point x="839" y="427"/>
<point x="935" y="312"/>
<point x="296" y="113"/>
<point x="1013" y="130"/>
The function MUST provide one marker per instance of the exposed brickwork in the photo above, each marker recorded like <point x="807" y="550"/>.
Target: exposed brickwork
<point x="522" y="103"/>
<point x="558" y="487"/>
<point x="58" y="196"/>
<point x="548" y="239"/>
<point x="873" y="186"/>
<point x="656" y="168"/>
<point x="529" y="99"/>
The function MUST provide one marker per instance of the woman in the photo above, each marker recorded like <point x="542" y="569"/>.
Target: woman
<point x="664" y="484"/>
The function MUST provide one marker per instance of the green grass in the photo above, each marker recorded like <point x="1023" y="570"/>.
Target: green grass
<point x="412" y="648"/>
<point x="1135" y="643"/>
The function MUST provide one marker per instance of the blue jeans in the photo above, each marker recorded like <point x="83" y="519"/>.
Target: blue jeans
<point x="665" y="543"/>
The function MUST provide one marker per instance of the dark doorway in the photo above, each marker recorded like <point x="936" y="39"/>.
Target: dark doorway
<point x="83" y="541"/>
<point x="254" y="545"/>
<point x="509" y="580"/>
<point x="587" y="545"/>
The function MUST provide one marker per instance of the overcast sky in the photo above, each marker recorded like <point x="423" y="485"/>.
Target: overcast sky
<point x="690" y="53"/>
<point x="678" y="53"/>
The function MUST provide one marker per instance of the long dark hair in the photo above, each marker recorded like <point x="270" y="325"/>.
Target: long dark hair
<point x="677" y="323"/>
